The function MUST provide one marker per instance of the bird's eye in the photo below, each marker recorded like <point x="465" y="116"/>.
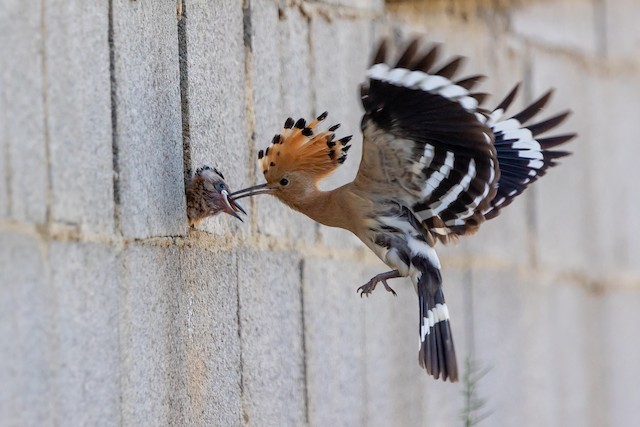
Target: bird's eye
<point x="284" y="181"/>
<point x="220" y="186"/>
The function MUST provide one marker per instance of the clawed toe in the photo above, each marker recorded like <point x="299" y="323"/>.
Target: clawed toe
<point x="370" y="286"/>
<point x="388" y="288"/>
<point x="366" y="289"/>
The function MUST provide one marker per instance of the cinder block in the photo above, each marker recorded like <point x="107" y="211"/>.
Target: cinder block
<point x="341" y="52"/>
<point x="148" y="119"/>
<point x="338" y="238"/>
<point x="210" y="348"/>
<point x="215" y="94"/>
<point x="622" y="39"/>
<point x="494" y="53"/>
<point x="399" y="391"/>
<point x="86" y="360"/>
<point x="295" y="80"/>
<point x="22" y="119"/>
<point x="505" y="239"/>
<point x="179" y="341"/>
<point x="79" y="113"/>
<point x="575" y="348"/>
<point x="271" y="323"/>
<point x="269" y="114"/>
<point x="499" y="325"/>
<point x="335" y="343"/>
<point x="565" y="24"/>
<point x="151" y="381"/>
<point x="621" y="352"/>
<point x="563" y="200"/>
<point x="576" y="202"/>
<point x="25" y="332"/>
<point x="614" y="246"/>
<point x="281" y="88"/>
<point x="536" y="335"/>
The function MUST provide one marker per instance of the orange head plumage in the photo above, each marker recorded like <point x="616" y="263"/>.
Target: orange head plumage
<point x="299" y="150"/>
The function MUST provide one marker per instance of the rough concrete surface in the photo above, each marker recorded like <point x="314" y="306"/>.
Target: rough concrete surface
<point x="85" y="322"/>
<point x="148" y="137"/>
<point x="271" y="328"/>
<point x="214" y="74"/>
<point x="26" y="319"/>
<point x="23" y="113"/>
<point x="114" y="313"/>
<point x="78" y="95"/>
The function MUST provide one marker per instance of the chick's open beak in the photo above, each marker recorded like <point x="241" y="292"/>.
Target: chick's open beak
<point x="251" y="191"/>
<point x="231" y="206"/>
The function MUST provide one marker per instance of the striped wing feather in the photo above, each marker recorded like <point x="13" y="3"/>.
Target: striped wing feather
<point x="523" y="157"/>
<point x="427" y="139"/>
<point x="422" y="134"/>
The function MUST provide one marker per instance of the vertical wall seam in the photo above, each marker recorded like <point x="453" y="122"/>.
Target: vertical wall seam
<point x="8" y="174"/>
<point x="303" y="336"/>
<point x="312" y="92"/>
<point x="247" y="34"/>
<point x="177" y="405"/>
<point x="45" y="112"/>
<point x="124" y="317"/>
<point x="46" y="244"/>
<point x="316" y="226"/>
<point x="531" y="219"/>
<point x="184" y="89"/>
<point x="250" y="126"/>
<point x="469" y="318"/>
<point x="247" y="31"/>
<point x="243" y="416"/>
<point x="114" y="123"/>
<point x="118" y="250"/>
<point x="118" y="260"/>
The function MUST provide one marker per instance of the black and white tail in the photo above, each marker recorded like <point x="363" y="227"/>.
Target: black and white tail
<point x="437" y="353"/>
<point x="523" y="157"/>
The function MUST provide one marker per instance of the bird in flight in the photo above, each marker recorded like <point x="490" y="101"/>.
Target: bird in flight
<point x="207" y="195"/>
<point x="435" y="165"/>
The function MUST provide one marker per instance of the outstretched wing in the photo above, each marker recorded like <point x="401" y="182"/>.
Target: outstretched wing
<point x="428" y="142"/>
<point x="523" y="156"/>
<point x="426" y="138"/>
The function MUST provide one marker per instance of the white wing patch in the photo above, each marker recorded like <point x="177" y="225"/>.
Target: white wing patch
<point x="455" y="191"/>
<point x="419" y="80"/>
<point x="438" y="176"/>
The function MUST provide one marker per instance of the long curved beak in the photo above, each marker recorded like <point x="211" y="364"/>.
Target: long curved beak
<point x="232" y="207"/>
<point x="251" y="191"/>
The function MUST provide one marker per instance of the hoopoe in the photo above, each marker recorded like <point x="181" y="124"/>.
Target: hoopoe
<point x="207" y="194"/>
<point x="434" y="166"/>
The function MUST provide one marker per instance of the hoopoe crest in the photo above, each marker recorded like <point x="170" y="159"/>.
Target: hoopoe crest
<point x="297" y="148"/>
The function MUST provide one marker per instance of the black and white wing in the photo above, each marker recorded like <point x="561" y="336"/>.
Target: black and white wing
<point x="523" y="156"/>
<point x="452" y="162"/>
<point x="423" y="133"/>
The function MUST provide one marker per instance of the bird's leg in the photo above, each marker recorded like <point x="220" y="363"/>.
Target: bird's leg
<point x="368" y="287"/>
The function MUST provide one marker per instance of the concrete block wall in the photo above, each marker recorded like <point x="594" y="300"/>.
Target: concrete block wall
<point x="114" y="312"/>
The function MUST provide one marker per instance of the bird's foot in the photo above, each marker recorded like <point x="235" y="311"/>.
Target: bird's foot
<point x="370" y="286"/>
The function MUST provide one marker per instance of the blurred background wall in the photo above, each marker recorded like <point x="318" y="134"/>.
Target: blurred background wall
<point x="114" y="312"/>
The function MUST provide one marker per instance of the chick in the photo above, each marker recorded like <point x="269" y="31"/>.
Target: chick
<point x="208" y="194"/>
